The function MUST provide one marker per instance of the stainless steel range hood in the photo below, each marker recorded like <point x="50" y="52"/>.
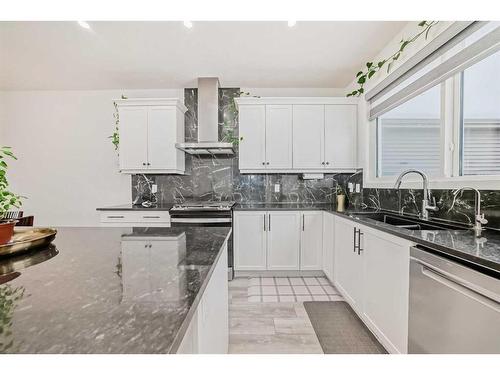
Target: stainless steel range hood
<point x="208" y="122"/>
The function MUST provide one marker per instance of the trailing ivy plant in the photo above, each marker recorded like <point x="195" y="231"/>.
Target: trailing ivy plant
<point x="8" y="199"/>
<point x="228" y="128"/>
<point x="372" y="68"/>
<point x="115" y="137"/>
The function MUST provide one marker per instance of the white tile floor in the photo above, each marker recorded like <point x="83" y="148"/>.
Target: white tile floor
<point x="291" y="289"/>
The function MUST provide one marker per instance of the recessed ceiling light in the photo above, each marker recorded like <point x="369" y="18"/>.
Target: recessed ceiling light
<point x="188" y="24"/>
<point x="84" y="24"/>
<point x="292" y="23"/>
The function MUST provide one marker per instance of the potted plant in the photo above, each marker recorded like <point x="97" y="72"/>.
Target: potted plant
<point x="7" y="198"/>
<point x="339" y="191"/>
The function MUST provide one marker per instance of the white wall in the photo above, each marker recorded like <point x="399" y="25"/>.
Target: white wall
<point x="67" y="166"/>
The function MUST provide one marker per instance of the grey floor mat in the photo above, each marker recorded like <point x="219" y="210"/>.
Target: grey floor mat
<point x="339" y="329"/>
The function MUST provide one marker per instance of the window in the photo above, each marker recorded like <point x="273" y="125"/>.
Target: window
<point x="409" y="136"/>
<point x="480" y="118"/>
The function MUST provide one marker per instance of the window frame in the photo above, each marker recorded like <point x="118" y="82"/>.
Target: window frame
<point x="450" y="140"/>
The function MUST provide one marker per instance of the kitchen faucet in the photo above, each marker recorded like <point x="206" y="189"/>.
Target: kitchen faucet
<point x="479" y="218"/>
<point x="426" y="207"/>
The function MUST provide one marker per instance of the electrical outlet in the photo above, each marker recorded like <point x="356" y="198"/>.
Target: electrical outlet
<point x="154" y="188"/>
<point x="350" y="187"/>
<point x="358" y="188"/>
<point x="276" y="188"/>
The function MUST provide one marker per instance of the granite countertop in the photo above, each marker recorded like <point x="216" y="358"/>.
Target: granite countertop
<point x="463" y="244"/>
<point x="483" y="251"/>
<point x="283" y="206"/>
<point x="137" y="207"/>
<point x="102" y="290"/>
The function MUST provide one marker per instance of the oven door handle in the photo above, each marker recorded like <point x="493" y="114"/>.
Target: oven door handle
<point x="200" y="220"/>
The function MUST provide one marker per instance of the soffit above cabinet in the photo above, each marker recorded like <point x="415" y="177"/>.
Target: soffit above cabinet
<point x="250" y="100"/>
<point x="151" y="102"/>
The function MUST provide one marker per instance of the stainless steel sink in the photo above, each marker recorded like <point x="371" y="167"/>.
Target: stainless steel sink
<point x="410" y="223"/>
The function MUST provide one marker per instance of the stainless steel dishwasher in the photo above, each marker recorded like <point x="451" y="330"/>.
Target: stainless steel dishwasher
<point x="453" y="308"/>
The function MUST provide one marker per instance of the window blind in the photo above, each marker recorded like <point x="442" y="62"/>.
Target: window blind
<point x="474" y="52"/>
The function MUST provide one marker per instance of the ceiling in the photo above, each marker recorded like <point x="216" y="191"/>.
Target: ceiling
<point x="140" y="55"/>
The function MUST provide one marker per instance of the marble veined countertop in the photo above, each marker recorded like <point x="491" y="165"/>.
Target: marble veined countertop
<point x="104" y="290"/>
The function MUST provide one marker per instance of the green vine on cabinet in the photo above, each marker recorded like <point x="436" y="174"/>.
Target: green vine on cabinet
<point x="372" y="68"/>
<point x="115" y="137"/>
<point x="228" y="128"/>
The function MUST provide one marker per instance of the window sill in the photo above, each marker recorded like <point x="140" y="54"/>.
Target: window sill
<point x="478" y="182"/>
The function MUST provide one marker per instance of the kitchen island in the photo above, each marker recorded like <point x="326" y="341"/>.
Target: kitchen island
<point x="118" y="290"/>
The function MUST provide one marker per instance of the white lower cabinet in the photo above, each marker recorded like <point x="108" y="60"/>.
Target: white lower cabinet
<point x="208" y="331"/>
<point x="348" y="263"/>
<point x="250" y="240"/>
<point x="328" y="244"/>
<point x="283" y="240"/>
<point x="372" y="273"/>
<point x="278" y="240"/>
<point x="311" y="241"/>
<point x="386" y="285"/>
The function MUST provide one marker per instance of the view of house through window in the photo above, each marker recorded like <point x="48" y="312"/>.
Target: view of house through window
<point x="480" y="126"/>
<point x="409" y="136"/>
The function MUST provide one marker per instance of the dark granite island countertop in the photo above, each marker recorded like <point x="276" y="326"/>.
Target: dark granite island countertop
<point x="105" y="290"/>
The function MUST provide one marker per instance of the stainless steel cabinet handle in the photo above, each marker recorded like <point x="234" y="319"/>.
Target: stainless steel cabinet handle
<point x="267" y="163"/>
<point x="263" y="163"/>
<point x="355" y="246"/>
<point x="143" y="163"/>
<point x="151" y="217"/>
<point x="327" y="163"/>
<point x="323" y="163"/>
<point x="269" y="222"/>
<point x="116" y="217"/>
<point x="359" y="241"/>
<point x="149" y="163"/>
<point x="264" y="222"/>
<point x="303" y="222"/>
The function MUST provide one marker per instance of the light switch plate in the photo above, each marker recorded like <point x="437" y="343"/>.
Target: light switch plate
<point x="358" y="188"/>
<point x="154" y="188"/>
<point x="276" y="188"/>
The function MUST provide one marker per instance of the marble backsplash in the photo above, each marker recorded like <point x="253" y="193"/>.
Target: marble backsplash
<point x="459" y="209"/>
<point x="217" y="178"/>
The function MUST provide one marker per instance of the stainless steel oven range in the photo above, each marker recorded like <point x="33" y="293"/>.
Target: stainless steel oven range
<point x="208" y="214"/>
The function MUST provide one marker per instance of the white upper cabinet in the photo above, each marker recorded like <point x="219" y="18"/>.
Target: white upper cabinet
<point x="149" y="130"/>
<point x="133" y="138"/>
<point x="308" y="140"/>
<point x="297" y="135"/>
<point x="252" y="128"/>
<point x="278" y="137"/>
<point x="340" y="136"/>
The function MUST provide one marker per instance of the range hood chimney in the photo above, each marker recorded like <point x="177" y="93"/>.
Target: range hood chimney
<point x="208" y="122"/>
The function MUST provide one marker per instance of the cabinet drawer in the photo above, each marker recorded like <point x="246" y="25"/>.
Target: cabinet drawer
<point x="135" y="217"/>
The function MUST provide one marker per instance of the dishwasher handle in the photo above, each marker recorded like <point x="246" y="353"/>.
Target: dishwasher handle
<point x="490" y="298"/>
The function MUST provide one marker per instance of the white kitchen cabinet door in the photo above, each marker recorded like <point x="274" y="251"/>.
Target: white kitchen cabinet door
<point x="348" y="264"/>
<point x="250" y="240"/>
<point x="386" y="270"/>
<point x="213" y="312"/>
<point x="283" y="240"/>
<point x="308" y="136"/>
<point x="328" y="244"/>
<point x="133" y="138"/>
<point x="279" y="136"/>
<point x="162" y="136"/>
<point x="252" y="127"/>
<point x="311" y="241"/>
<point x="340" y="136"/>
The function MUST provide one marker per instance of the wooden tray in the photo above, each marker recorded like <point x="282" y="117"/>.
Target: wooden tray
<point x="26" y="239"/>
